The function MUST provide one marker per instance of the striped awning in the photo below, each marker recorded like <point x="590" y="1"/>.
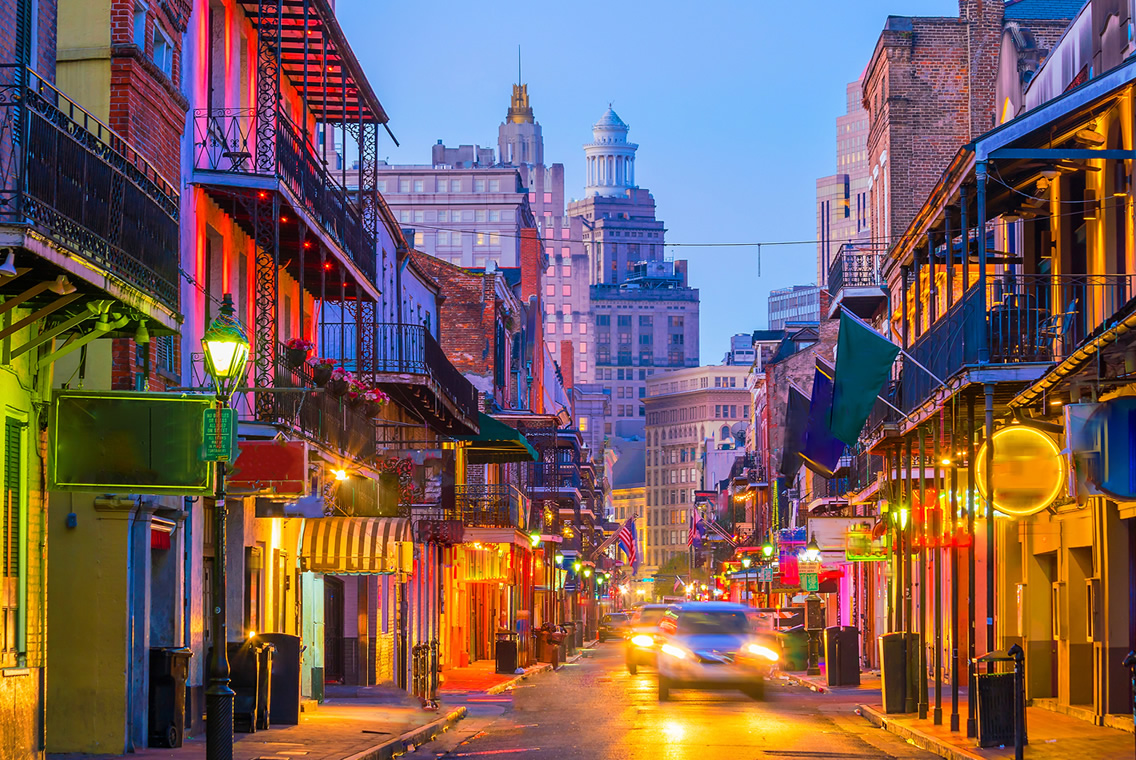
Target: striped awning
<point x="357" y="545"/>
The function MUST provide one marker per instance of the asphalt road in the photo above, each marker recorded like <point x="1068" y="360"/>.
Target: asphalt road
<point x="594" y="710"/>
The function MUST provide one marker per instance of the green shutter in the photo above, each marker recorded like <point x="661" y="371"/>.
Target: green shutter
<point x="10" y="519"/>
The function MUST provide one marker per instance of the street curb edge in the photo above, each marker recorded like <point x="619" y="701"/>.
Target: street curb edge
<point x="543" y="668"/>
<point x="416" y="737"/>
<point x="916" y="737"/>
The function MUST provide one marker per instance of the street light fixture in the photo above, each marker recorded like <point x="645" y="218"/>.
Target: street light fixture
<point x="226" y="347"/>
<point x="767" y="550"/>
<point x="811" y="552"/>
<point x="746" y="562"/>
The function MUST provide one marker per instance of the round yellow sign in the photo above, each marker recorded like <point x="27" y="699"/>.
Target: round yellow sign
<point x="1029" y="471"/>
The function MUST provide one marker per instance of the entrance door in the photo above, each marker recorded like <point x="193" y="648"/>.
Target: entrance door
<point x="333" y="668"/>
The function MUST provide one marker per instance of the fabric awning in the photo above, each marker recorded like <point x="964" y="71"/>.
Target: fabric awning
<point x="357" y="545"/>
<point x="497" y="442"/>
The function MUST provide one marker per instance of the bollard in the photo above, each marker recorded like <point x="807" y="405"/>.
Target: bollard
<point x="1130" y="663"/>
<point x="1019" y="700"/>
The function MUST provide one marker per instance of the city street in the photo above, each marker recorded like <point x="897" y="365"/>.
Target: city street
<point x="594" y="709"/>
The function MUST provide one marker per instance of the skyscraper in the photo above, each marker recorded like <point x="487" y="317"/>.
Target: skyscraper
<point x="644" y="314"/>
<point x="842" y="198"/>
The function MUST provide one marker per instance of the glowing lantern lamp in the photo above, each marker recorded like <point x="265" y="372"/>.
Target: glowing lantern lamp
<point x="1029" y="471"/>
<point x="226" y="348"/>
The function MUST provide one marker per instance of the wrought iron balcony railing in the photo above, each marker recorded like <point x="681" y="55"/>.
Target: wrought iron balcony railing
<point x="398" y="349"/>
<point x="1029" y="319"/>
<point x="491" y="506"/>
<point x="225" y="140"/>
<point x="852" y="268"/>
<point x="80" y="183"/>
<point x="319" y="415"/>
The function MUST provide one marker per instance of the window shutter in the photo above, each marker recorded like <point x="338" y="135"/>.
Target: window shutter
<point x="10" y="523"/>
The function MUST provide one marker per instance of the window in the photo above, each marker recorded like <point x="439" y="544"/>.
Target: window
<point x="550" y="328"/>
<point x="494" y="215"/>
<point x="568" y="328"/>
<point x="624" y="320"/>
<point x="419" y="186"/>
<point x="404" y="186"/>
<point x="582" y="422"/>
<point x="479" y="215"/>
<point x="455" y="237"/>
<point x="550" y="290"/>
<point x="443" y="237"/>
<point x="551" y="346"/>
<point x="566" y="270"/>
<point x="481" y="239"/>
<point x="478" y="185"/>
<point x="441" y="185"/>
<point x="564" y="234"/>
<point x="455" y="186"/>
<point x="404" y="216"/>
<point x="140" y="26"/>
<point x="494" y="238"/>
<point x="419" y="216"/>
<point x="164" y="353"/>
<point x="603" y="320"/>
<point x="566" y="290"/>
<point x="381" y="185"/>
<point x="583" y="366"/>
<point x="442" y="215"/>
<point x="494" y="185"/>
<point x="11" y="508"/>
<point x="583" y="328"/>
<point x="583" y="346"/>
<point x="550" y="271"/>
<point x="163" y="52"/>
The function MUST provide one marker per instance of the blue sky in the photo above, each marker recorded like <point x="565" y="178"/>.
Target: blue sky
<point x="733" y="105"/>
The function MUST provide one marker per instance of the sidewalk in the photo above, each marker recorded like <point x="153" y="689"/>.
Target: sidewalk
<point x="482" y="676"/>
<point x="1052" y="736"/>
<point x="368" y="723"/>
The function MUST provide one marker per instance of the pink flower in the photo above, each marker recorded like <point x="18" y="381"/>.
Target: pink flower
<point x="300" y="344"/>
<point x="322" y="361"/>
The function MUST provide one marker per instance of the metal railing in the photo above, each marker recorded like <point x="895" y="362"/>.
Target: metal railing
<point x="491" y="506"/>
<point x="1029" y="319"/>
<point x="319" y="415"/>
<point x="400" y="349"/>
<point x="225" y="140"/>
<point x="851" y="268"/>
<point x="66" y="172"/>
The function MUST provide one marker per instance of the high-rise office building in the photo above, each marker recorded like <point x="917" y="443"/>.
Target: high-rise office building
<point x="842" y="198"/>
<point x="800" y="303"/>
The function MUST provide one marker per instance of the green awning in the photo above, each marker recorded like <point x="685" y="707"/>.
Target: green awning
<point x="497" y="442"/>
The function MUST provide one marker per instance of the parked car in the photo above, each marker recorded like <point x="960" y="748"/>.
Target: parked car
<point x="614" y="625"/>
<point x="715" y="646"/>
<point x="642" y="636"/>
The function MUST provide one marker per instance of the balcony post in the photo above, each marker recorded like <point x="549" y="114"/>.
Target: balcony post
<point x="937" y="531"/>
<point x="922" y="561"/>
<point x="965" y="239"/>
<point x="903" y="272"/>
<point x="932" y="287"/>
<point x="972" y="716"/>
<point x="918" y="327"/>
<point x="988" y="393"/>
<point x="980" y="224"/>
<point x="950" y="255"/>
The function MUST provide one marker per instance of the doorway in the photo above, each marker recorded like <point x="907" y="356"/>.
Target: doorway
<point x="333" y="664"/>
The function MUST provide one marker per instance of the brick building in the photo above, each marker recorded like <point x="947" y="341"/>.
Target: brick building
<point x="929" y="88"/>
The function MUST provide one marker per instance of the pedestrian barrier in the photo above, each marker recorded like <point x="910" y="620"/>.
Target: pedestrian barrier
<point x="424" y="671"/>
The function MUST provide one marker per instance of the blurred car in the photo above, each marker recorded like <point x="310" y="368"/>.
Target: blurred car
<point x="613" y="625"/>
<point x="715" y="646"/>
<point x="643" y="635"/>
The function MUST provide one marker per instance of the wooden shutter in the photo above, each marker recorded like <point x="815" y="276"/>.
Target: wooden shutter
<point x="10" y="518"/>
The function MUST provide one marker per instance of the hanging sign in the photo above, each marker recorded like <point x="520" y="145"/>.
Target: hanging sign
<point x="810" y="581"/>
<point x="219" y="435"/>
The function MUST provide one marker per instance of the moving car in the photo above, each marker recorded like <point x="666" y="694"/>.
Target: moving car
<point x="714" y="646"/>
<point x="642" y="636"/>
<point x="613" y="625"/>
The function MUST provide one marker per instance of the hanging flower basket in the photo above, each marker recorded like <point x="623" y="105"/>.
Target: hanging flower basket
<point x="336" y="387"/>
<point x="355" y="399"/>
<point x="372" y="408"/>
<point x="296" y="351"/>
<point x="322" y="370"/>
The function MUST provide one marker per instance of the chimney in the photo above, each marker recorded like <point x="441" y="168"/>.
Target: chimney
<point x="566" y="360"/>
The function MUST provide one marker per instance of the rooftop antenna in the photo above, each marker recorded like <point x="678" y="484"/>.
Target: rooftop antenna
<point x="518" y="64"/>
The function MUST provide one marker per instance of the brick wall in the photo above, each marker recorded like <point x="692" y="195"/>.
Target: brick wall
<point x="45" y="48"/>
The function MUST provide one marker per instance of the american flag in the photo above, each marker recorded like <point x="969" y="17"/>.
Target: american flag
<point x="694" y="536"/>
<point x="628" y="543"/>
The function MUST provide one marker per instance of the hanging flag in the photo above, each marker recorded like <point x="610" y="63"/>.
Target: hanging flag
<point x="822" y="450"/>
<point x="678" y="584"/>
<point x="694" y="534"/>
<point x="628" y="543"/>
<point x="796" y="416"/>
<point x="863" y="365"/>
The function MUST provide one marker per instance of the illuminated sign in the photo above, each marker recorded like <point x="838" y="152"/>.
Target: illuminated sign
<point x="1028" y="471"/>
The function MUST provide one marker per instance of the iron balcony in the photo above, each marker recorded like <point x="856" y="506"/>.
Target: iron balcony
<point x="495" y="505"/>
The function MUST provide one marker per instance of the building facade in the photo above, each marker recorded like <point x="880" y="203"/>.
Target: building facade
<point x="842" y="198"/>
<point x="800" y="303"/>
<point x="689" y="412"/>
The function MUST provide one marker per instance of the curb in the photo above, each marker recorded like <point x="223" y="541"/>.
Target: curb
<point x="542" y="668"/>
<point x="807" y="682"/>
<point x="917" y="737"/>
<point x="411" y="740"/>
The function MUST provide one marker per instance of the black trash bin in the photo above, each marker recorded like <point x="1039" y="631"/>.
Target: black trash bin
<point x="169" y="668"/>
<point x="849" y="651"/>
<point x="995" y="709"/>
<point x="284" y="691"/>
<point x="579" y="634"/>
<point x="265" y="652"/>
<point x="244" y="680"/>
<point x="832" y="669"/>
<point x="893" y="671"/>
<point x="506" y="652"/>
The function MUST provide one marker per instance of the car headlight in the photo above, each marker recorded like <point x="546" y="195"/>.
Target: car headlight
<point x="643" y="640"/>
<point x="673" y="651"/>
<point x="765" y="652"/>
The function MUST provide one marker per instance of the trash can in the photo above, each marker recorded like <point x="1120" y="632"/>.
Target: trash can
<point x="265" y="652"/>
<point x="995" y="709"/>
<point x="169" y="667"/>
<point x="579" y="634"/>
<point x="832" y="669"/>
<point x="794" y="648"/>
<point x="569" y="637"/>
<point x="244" y="680"/>
<point x="849" y="653"/>
<point x="893" y="671"/>
<point x="506" y="652"/>
<point x="284" y="691"/>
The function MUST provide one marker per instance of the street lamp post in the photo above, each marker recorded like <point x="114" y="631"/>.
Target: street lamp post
<point x="745" y="564"/>
<point x="226" y="348"/>
<point x="813" y="623"/>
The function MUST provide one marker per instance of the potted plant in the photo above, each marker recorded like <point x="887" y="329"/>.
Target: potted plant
<point x="321" y="370"/>
<point x="373" y="402"/>
<point x="339" y="383"/>
<point x="355" y="391"/>
<point x="296" y="351"/>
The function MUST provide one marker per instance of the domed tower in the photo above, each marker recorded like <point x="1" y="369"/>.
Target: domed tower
<point x="611" y="159"/>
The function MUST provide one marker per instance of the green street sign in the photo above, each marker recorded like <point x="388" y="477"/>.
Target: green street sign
<point x="765" y="574"/>
<point x="810" y="582"/>
<point x="219" y="436"/>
